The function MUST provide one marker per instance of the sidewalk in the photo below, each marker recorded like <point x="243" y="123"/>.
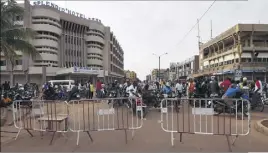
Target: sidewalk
<point x="8" y="132"/>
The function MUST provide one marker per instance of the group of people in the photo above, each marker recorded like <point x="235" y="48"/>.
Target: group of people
<point x="211" y="87"/>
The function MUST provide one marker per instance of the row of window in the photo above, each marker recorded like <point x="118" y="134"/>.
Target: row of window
<point x="55" y="25"/>
<point x="72" y="64"/>
<point x="45" y="18"/>
<point x="46" y="47"/>
<point x="259" y="60"/>
<point x="47" y="52"/>
<point x="47" y="38"/>
<point x="95" y="47"/>
<point x="97" y="31"/>
<point x="113" y="49"/>
<point x="222" y="63"/>
<point x="94" y="54"/>
<point x="98" y="35"/>
<point x="92" y="66"/>
<point x="95" y="58"/>
<point x="46" y="61"/>
<point x="95" y="43"/>
<point x="116" y="70"/>
<point x="73" y="53"/>
<point x="48" y="33"/>
<point x="46" y="65"/>
<point x="74" y="40"/>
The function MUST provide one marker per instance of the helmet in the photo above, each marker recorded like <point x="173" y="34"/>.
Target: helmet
<point x="245" y="79"/>
<point x="168" y="84"/>
<point x="212" y="77"/>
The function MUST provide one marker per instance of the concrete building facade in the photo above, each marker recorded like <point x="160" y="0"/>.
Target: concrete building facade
<point x="243" y="47"/>
<point x="131" y="75"/>
<point x="184" y="69"/>
<point x="155" y="75"/>
<point x="70" y="46"/>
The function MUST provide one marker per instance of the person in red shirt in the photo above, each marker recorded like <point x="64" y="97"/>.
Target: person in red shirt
<point x="98" y="88"/>
<point x="226" y="84"/>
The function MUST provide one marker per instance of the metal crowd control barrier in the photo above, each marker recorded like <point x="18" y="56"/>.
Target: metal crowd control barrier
<point x="197" y="116"/>
<point x="103" y="115"/>
<point x="41" y="115"/>
<point x="76" y="116"/>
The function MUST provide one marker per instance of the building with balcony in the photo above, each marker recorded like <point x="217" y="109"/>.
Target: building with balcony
<point x="243" y="46"/>
<point x="184" y="69"/>
<point x="131" y="75"/>
<point x="70" y="46"/>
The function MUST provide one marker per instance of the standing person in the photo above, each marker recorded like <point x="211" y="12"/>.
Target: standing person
<point x="213" y="87"/>
<point x="88" y="89"/>
<point x="91" y="90"/>
<point x="98" y="88"/>
<point x="258" y="86"/>
<point x="191" y="88"/>
<point x="179" y="88"/>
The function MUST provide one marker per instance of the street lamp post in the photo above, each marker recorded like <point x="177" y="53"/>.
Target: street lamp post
<point x="159" y="59"/>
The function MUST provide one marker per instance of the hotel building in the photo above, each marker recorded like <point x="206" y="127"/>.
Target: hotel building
<point x="70" y="47"/>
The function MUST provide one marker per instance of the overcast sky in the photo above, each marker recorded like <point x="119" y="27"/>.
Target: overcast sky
<point x="147" y="27"/>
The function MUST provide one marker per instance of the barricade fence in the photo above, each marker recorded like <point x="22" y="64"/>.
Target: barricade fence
<point x="229" y="117"/>
<point x="76" y="116"/>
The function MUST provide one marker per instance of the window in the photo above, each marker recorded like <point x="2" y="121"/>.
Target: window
<point x="2" y="63"/>
<point x="18" y="62"/>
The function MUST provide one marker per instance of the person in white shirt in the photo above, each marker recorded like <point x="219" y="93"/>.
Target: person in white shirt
<point x="179" y="88"/>
<point x="131" y="89"/>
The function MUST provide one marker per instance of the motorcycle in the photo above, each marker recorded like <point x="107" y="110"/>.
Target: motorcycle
<point x="221" y="106"/>
<point x="139" y="108"/>
<point x="25" y="100"/>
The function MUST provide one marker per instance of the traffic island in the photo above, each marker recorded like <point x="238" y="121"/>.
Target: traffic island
<point x="262" y="126"/>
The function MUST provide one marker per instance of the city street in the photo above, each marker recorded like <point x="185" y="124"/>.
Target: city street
<point x="149" y="138"/>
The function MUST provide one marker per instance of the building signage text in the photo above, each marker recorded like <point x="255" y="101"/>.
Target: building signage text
<point x="85" y="70"/>
<point x="59" y="8"/>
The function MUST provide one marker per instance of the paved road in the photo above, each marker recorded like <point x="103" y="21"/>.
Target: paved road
<point x="149" y="138"/>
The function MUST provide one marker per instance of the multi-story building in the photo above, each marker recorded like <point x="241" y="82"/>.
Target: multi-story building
<point x="155" y="74"/>
<point x="243" y="47"/>
<point x="186" y="68"/>
<point x="70" y="46"/>
<point x="148" y="78"/>
<point x="172" y="71"/>
<point x="131" y="75"/>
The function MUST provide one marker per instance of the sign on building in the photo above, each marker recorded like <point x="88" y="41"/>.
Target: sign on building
<point x="237" y="74"/>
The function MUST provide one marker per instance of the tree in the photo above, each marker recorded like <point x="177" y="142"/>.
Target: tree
<point x="14" y="37"/>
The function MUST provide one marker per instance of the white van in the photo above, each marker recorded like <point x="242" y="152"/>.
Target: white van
<point x="66" y="83"/>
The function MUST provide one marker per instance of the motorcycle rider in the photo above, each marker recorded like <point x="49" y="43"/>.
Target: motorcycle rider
<point x="166" y="89"/>
<point x="226" y="84"/>
<point x="131" y="90"/>
<point x="213" y="87"/>
<point x="73" y="92"/>
<point x="231" y="92"/>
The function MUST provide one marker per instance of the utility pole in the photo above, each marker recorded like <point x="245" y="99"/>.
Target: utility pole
<point x="198" y="34"/>
<point x="159" y="60"/>
<point x="159" y="68"/>
<point x="210" y="29"/>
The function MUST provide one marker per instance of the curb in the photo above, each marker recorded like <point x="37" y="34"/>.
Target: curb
<point x="261" y="128"/>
